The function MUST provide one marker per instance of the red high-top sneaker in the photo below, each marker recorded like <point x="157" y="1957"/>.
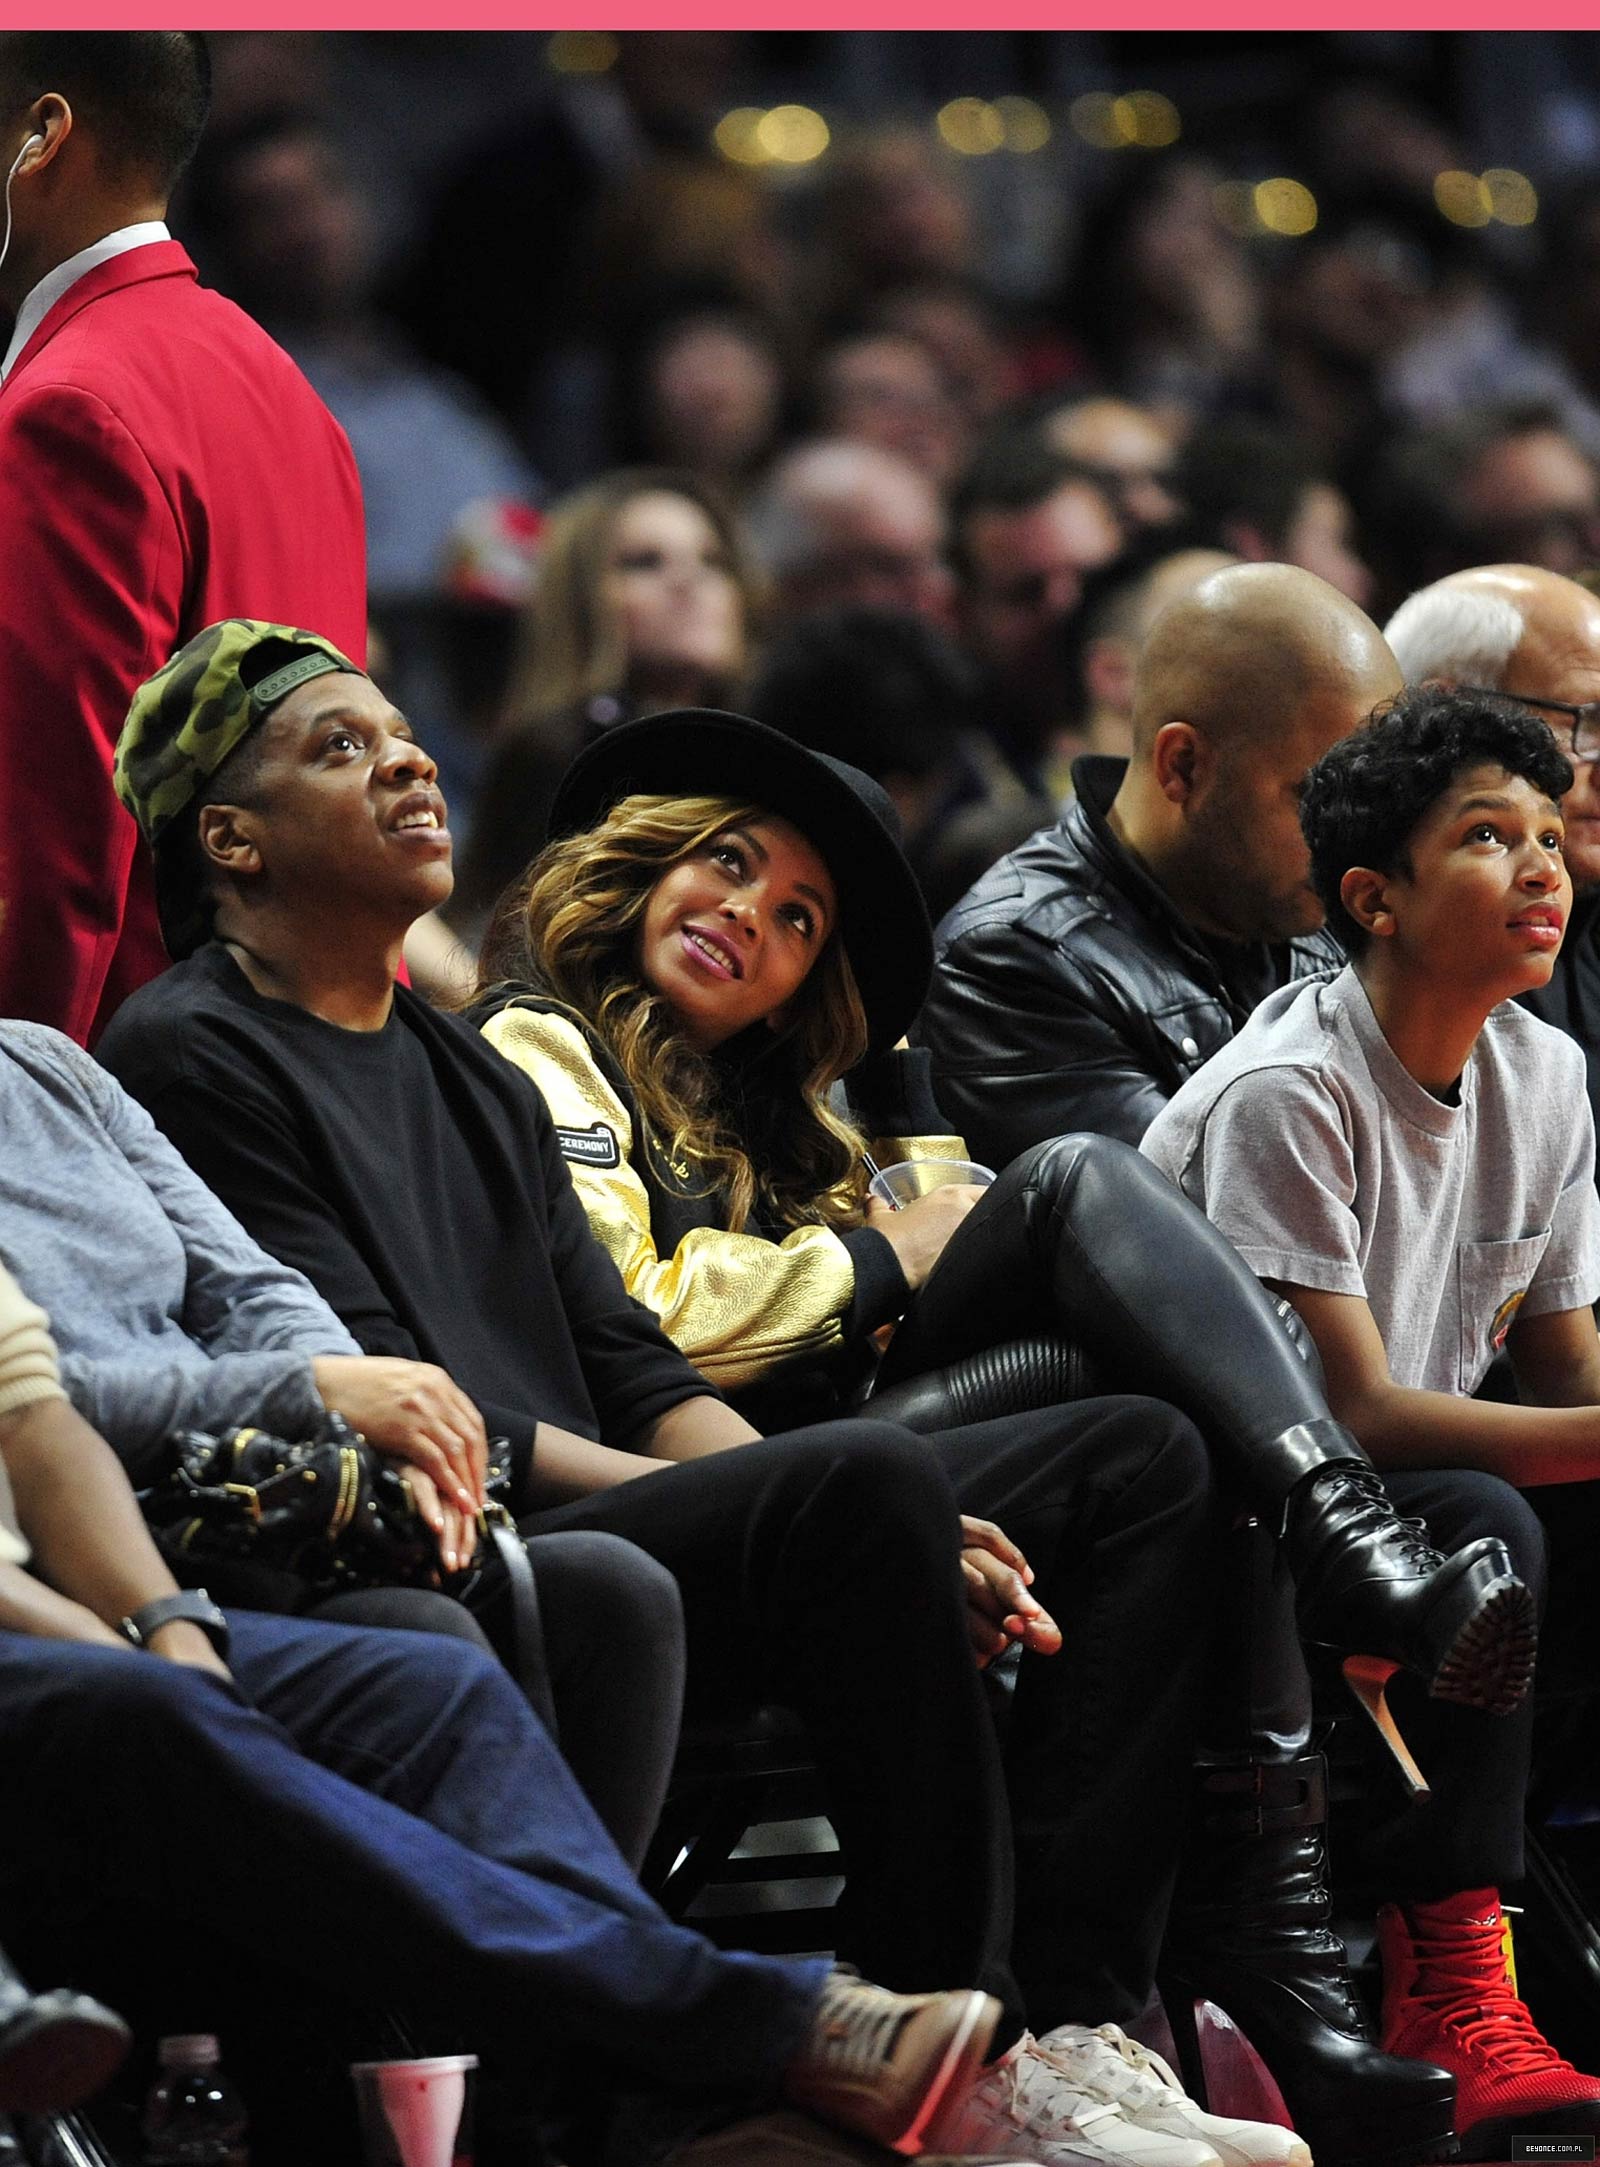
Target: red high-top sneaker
<point x="1448" y="1998"/>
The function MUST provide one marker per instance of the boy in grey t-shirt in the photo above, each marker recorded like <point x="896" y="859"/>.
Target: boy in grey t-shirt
<point x="1412" y="1163"/>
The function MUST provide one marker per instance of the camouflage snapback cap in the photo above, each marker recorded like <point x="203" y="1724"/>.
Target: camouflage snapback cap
<point x="188" y="717"/>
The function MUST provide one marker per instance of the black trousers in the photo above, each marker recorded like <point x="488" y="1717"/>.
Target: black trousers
<point x="1081" y="1236"/>
<point x="820" y="1570"/>
<point x="1469" y="1834"/>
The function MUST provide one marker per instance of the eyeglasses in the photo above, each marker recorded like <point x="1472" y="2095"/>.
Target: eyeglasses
<point x="1583" y="720"/>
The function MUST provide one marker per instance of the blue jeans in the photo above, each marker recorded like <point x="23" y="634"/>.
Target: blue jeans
<point x="378" y="1814"/>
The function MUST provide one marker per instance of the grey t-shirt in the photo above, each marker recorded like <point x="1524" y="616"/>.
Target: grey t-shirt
<point x="167" y="1315"/>
<point x="1328" y="1165"/>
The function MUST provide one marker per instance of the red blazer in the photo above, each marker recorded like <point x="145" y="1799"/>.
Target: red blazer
<point x="162" y="464"/>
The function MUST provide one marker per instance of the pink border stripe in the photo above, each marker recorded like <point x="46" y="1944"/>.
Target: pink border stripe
<point x="819" y="15"/>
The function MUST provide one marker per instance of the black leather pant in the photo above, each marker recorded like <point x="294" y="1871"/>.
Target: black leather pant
<point x="1083" y="1237"/>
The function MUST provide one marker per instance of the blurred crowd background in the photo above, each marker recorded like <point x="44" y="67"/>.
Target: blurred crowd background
<point x="886" y="384"/>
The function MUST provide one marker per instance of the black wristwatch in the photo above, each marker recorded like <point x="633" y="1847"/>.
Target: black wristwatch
<point x="193" y="1605"/>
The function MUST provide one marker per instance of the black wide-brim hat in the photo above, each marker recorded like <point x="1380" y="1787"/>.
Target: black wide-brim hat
<point x="845" y="816"/>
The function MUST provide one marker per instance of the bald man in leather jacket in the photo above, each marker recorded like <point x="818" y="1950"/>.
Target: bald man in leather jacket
<point x="1092" y="970"/>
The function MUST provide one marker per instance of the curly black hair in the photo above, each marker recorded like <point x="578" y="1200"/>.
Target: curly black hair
<point x="1362" y="802"/>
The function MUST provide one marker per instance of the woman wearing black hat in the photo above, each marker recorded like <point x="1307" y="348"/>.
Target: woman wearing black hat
<point x="721" y="932"/>
<point x="724" y="1044"/>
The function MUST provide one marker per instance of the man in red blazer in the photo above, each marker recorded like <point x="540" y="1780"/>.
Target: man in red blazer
<point x="162" y="464"/>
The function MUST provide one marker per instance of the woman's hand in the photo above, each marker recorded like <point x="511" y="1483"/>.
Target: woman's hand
<point x="414" y="1412"/>
<point x="1000" y="1608"/>
<point x="455" y="1531"/>
<point x="918" y="1232"/>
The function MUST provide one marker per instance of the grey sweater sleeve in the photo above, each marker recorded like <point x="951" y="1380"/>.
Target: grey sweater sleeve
<point x="138" y="1405"/>
<point x="259" y="1321"/>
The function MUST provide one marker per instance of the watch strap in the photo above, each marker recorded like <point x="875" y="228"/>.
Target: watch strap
<point x="193" y="1606"/>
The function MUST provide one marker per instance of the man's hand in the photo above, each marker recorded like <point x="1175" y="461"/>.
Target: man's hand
<point x="1000" y="1608"/>
<point x="28" y="1605"/>
<point x="183" y="1642"/>
<point x="416" y="1413"/>
<point x="918" y="1232"/>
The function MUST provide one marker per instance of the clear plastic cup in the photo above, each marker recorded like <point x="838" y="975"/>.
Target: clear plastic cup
<point x="902" y="1183"/>
<point x="416" y="2114"/>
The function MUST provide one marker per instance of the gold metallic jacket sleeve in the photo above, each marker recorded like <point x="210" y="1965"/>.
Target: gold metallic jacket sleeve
<point x="888" y="1150"/>
<point x="736" y="1304"/>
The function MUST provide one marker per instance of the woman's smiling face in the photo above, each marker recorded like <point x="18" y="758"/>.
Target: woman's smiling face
<point x="731" y="933"/>
<point x="670" y="585"/>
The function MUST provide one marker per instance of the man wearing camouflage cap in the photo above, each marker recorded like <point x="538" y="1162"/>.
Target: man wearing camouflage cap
<point x="183" y="724"/>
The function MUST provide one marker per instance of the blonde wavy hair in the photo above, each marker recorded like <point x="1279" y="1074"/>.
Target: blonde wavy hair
<point x="764" y="1136"/>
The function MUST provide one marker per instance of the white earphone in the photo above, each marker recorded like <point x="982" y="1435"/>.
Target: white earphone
<point x="36" y="137"/>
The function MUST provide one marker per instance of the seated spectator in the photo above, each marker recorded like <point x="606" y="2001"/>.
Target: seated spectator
<point x="545" y="175"/>
<point x="418" y="1178"/>
<point x="1263" y="497"/>
<point x="1501" y="485"/>
<point x="1106" y="636"/>
<point x="376" y="1796"/>
<point x="176" y="1320"/>
<point x="1563" y="304"/>
<point x="1535" y="637"/>
<point x="961" y="325"/>
<point x="1112" y="954"/>
<point x="1029" y="526"/>
<point x="1161" y="294"/>
<point x="889" y="389"/>
<point x="1407" y="1156"/>
<point x="1127" y="448"/>
<point x="842" y="526"/>
<point x="701" y="385"/>
<point x="643" y="597"/>
<point x="292" y="234"/>
<point x="882" y="687"/>
<point x="1095" y="968"/>
<point x="894" y="211"/>
<point x="1348" y="297"/>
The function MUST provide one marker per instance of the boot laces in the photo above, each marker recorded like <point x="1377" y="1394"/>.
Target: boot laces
<point x="1462" y="1981"/>
<point x="1409" y="1536"/>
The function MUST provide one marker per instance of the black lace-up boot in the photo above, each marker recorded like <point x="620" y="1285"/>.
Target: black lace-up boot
<point x="1250" y="1931"/>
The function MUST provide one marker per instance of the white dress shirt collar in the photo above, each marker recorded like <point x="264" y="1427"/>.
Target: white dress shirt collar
<point x="55" y="283"/>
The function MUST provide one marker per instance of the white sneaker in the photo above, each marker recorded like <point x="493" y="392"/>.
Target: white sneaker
<point x="1028" y="2108"/>
<point x="1109" y="2064"/>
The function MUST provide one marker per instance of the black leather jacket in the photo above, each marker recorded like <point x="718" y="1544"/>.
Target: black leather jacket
<point x="1069" y="994"/>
